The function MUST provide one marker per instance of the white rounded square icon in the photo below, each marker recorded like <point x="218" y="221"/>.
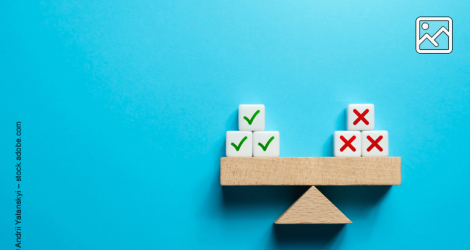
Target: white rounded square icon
<point x="361" y="117"/>
<point x="347" y="143"/>
<point x="239" y="144"/>
<point x="434" y="35"/>
<point x="374" y="143"/>
<point x="251" y="117"/>
<point x="266" y="144"/>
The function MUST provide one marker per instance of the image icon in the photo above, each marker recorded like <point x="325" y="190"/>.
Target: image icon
<point x="434" y="35"/>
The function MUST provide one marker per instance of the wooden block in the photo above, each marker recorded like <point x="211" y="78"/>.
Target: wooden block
<point x="310" y="171"/>
<point x="313" y="208"/>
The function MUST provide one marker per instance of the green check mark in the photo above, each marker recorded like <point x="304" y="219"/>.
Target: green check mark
<point x="250" y="121"/>
<point x="267" y="143"/>
<point x="239" y="144"/>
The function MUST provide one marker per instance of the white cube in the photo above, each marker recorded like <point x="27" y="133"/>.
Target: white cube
<point x="266" y="144"/>
<point x="361" y="117"/>
<point x="239" y="144"/>
<point x="348" y="143"/>
<point x="374" y="143"/>
<point x="251" y="117"/>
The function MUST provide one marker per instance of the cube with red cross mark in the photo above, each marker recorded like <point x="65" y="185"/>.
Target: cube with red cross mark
<point x="361" y="117"/>
<point x="374" y="143"/>
<point x="348" y="144"/>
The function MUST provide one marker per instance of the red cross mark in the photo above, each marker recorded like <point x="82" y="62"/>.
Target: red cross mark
<point x="361" y="117"/>
<point x="375" y="143"/>
<point x="347" y="143"/>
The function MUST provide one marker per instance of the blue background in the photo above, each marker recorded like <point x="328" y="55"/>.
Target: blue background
<point x="125" y="104"/>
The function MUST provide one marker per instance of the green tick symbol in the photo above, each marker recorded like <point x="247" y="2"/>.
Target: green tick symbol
<point x="250" y="121"/>
<point x="267" y="143"/>
<point x="240" y="144"/>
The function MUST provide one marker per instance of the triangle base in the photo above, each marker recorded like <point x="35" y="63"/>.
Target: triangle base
<point x="313" y="208"/>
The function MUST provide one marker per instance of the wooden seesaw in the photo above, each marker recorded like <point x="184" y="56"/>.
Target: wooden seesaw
<point x="312" y="207"/>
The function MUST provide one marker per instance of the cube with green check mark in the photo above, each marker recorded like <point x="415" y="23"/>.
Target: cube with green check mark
<point x="266" y="144"/>
<point x="239" y="144"/>
<point x="251" y="117"/>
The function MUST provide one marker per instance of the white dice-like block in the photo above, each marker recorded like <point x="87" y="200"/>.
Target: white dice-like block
<point x="239" y="144"/>
<point x="374" y="143"/>
<point x="266" y="144"/>
<point x="361" y="117"/>
<point x="348" y="143"/>
<point x="251" y="117"/>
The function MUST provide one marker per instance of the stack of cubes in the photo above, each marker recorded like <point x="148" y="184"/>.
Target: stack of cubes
<point x="360" y="139"/>
<point x="251" y="139"/>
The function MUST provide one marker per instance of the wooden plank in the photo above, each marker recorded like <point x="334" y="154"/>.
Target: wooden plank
<point x="313" y="208"/>
<point x="310" y="171"/>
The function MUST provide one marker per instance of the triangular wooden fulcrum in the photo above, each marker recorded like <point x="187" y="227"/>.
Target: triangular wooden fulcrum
<point x="313" y="208"/>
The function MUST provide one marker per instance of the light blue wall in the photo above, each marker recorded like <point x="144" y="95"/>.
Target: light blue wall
<point x="125" y="105"/>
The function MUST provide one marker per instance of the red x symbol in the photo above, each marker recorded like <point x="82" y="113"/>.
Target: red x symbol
<point x="347" y="143"/>
<point x="361" y="117"/>
<point x="374" y="143"/>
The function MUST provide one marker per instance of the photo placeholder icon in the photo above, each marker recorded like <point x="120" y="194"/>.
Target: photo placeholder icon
<point x="434" y="35"/>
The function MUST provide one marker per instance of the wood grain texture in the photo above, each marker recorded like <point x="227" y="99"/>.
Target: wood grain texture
<point x="313" y="208"/>
<point x="310" y="171"/>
